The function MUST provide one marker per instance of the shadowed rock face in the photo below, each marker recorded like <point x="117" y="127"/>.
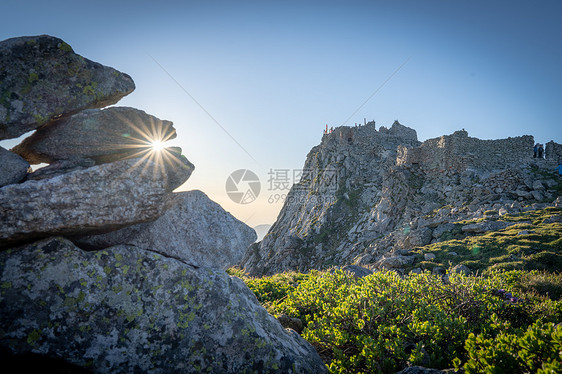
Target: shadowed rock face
<point x="124" y="310"/>
<point x="194" y="229"/>
<point x="100" y="135"/>
<point x="13" y="168"/>
<point x="102" y="197"/>
<point x="41" y="79"/>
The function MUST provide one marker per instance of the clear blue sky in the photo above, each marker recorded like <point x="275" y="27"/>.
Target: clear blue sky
<point x="273" y="73"/>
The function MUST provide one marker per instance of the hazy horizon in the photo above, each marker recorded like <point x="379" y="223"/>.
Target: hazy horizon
<point x="251" y="85"/>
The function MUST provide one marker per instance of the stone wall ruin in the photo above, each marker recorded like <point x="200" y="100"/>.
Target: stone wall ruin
<point x="459" y="152"/>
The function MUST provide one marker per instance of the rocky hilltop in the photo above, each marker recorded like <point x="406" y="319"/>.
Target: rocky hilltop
<point x="368" y="196"/>
<point x="102" y="265"/>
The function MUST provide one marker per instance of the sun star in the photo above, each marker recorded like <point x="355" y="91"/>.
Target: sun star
<point x="157" y="145"/>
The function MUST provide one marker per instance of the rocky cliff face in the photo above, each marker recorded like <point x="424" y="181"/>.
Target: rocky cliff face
<point x="137" y="282"/>
<point x="367" y="194"/>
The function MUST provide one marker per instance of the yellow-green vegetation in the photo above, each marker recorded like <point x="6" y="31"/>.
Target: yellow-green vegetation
<point x="531" y="244"/>
<point x="384" y="322"/>
<point x="41" y="120"/>
<point x="65" y="47"/>
<point x="535" y="350"/>
<point x="33" y="337"/>
<point x="501" y="319"/>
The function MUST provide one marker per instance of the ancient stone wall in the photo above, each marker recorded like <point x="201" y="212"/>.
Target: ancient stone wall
<point x="459" y="152"/>
<point x="368" y="135"/>
<point x="553" y="151"/>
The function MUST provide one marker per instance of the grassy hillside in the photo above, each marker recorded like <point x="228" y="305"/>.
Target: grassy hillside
<point x="534" y="242"/>
<point x="501" y="319"/>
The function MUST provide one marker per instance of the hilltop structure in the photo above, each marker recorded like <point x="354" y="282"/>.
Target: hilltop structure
<point x="367" y="194"/>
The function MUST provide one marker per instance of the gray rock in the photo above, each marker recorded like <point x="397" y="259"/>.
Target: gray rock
<point x="42" y="79"/>
<point x="125" y="310"/>
<point x="419" y="237"/>
<point x="538" y="185"/>
<point x="461" y="269"/>
<point x="60" y="167"/>
<point x="291" y="242"/>
<point x="394" y="262"/>
<point x="440" y="230"/>
<point x="523" y="194"/>
<point x="194" y="229"/>
<point x="290" y="323"/>
<point x="101" y="135"/>
<point x="551" y="183"/>
<point x="364" y="259"/>
<point x="438" y="270"/>
<point x="13" y="168"/>
<point x="404" y="132"/>
<point x="429" y="256"/>
<point x="102" y="197"/>
<point x="357" y="271"/>
<point x="473" y="227"/>
<point x="416" y="271"/>
<point x="537" y="195"/>
<point x="553" y="219"/>
<point x="485" y="226"/>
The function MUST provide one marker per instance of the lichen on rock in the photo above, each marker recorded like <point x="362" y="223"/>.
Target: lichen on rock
<point x="124" y="310"/>
<point x="42" y="79"/>
<point x="101" y="197"/>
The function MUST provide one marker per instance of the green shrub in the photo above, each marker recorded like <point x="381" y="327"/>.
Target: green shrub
<point x="536" y="350"/>
<point x="235" y="271"/>
<point x="383" y="323"/>
<point x="270" y="289"/>
<point x="541" y="282"/>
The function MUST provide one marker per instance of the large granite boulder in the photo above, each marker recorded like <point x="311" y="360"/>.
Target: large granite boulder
<point x="101" y="197"/>
<point x="125" y="310"/>
<point x="41" y="79"/>
<point x="13" y="168"/>
<point x="101" y="135"/>
<point x="194" y="229"/>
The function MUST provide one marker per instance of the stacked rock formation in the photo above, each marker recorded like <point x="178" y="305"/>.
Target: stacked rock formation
<point x="101" y="264"/>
